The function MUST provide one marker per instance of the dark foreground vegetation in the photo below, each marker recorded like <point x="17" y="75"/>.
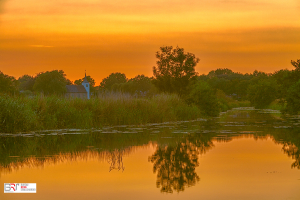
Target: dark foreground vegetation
<point x="175" y="92"/>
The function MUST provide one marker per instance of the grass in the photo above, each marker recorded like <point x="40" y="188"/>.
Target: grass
<point x="21" y="114"/>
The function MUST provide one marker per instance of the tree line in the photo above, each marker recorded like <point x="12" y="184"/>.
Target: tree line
<point x="54" y="83"/>
<point x="175" y="73"/>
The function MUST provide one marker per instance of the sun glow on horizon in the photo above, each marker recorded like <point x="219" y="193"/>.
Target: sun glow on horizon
<point x="105" y="37"/>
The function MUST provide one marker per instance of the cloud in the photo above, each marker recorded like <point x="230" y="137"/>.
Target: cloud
<point x="130" y="7"/>
<point x="2" y="5"/>
<point x="41" y="46"/>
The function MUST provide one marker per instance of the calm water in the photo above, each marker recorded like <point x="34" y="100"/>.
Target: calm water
<point x="241" y="155"/>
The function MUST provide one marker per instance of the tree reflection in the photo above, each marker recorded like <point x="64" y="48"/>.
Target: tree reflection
<point x="116" y="160"/>
<point x="175" y="165"/>
<point x="292" y="151"/>
<point x="290" y="139"/>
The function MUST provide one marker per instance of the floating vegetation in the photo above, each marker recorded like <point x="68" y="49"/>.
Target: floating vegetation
<point x="282" y="127"/>
<point x="270" y="111"/>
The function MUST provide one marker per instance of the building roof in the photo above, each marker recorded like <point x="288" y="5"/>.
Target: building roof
<point x="75" y="89"/>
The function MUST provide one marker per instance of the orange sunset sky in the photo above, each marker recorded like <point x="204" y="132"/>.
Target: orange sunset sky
<point x="105" y="36"/>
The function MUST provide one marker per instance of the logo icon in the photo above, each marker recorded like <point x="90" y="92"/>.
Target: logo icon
<point x="19" y="187"/>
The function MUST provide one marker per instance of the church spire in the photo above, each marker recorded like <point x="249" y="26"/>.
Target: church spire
<point x="85" y="80"/>
<point x="86" y="85"/>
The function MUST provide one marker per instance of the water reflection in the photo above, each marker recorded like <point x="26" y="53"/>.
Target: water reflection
<point x="290" y="139"/>
<point x="175" y="165"/>
<point x="19" y="152"/>
<point x="178" y="145"/>
<point x="116" y="160"/>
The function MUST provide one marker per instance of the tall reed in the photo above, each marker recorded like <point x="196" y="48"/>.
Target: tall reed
<point x="52" y="112"/>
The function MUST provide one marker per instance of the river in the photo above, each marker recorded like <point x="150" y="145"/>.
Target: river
<point x="243" y="154"/>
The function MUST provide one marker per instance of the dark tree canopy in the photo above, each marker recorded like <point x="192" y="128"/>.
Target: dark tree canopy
<point x="26" y="82"/>
<point x="220" y="72"/>
<point x="175" y="69"/>
<point x="139" y="85"/>
<point x="112" y="80"/>
<point x="8" y="84"/>
<point x="51" y="82"/>
<point x="296" y="64"/>
<point x="262" y="93"/>
<point x="293" y="98"/>
<point x="204" y="97"/>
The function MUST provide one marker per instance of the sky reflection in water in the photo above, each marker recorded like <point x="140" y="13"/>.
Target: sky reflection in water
<point x="242" y="155"/>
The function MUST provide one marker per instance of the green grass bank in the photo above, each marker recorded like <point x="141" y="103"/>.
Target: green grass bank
<point x="21" y="114"/>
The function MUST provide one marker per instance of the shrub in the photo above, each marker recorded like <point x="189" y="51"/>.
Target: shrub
<point x="204" y="97"/>
<point x="293" y="99"/>
<point x="262" y="93"/>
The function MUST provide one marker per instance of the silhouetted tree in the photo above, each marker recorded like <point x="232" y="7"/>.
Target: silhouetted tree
<point x="8" y="84"/>
<point x="241" y="89"/>
<point x="113" y="80"/>
<point x="293" y="99"/>
<point x="204" y="97"/>
<point x="139" y="85"/>
<point x="51" y="82"/>
<point x="262" y="93"/>
<point x="26" y="82"/>
<point x="220" y="73"/>
<point x="231" y="83"/>
<point x="284" y="81"/>
<point x="296" y="64"/>
<point x="175" y="69"/>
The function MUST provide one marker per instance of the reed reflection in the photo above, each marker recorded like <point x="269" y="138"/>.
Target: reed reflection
<point x="116" y="160"/>
<point x="21" y="152"/>
<point x="175" y="164"/>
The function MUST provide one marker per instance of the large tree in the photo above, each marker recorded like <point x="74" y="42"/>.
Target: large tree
<point x="204" y="97"/>
<point x="296" y="64"/>
<point x="26" y="82"/>
<point x="293" y="99"/>
<point x="112" y="81"/>
<point x="8" y="84"/>
<point x="51" y="82"/>
<point x="263" y="93"/>
<point x="140" y="85"/>
<point x="175" y="69"/>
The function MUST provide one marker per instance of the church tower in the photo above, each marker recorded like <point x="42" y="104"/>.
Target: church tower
<point x="86" y="85"/>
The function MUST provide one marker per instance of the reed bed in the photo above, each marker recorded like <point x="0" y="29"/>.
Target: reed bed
<point x="21" y="114"/>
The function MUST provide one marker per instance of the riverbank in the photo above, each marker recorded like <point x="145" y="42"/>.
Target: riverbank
<point x="21" y="114"/>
